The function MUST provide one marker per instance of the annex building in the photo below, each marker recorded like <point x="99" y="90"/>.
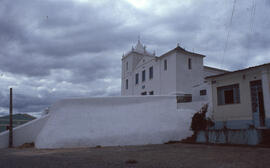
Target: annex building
<point x="241" y="99"/>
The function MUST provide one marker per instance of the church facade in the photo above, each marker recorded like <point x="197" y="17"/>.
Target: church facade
<point x="178" y="71"/>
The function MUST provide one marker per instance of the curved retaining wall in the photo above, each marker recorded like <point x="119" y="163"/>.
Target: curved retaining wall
<point x="114" y="121"/>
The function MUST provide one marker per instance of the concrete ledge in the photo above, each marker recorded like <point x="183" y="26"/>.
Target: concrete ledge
<point x="230" y="136"/>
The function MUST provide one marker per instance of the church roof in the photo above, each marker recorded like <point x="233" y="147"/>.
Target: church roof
<point x="180" y="49"/>
<point x="216" y="69"/>
<point x="241" y="70"/>
<point x="141" y="49"/>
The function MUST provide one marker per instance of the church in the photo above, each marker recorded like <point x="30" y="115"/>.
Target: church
<point x="238" y="100"/>
<point x="176" y="72"/>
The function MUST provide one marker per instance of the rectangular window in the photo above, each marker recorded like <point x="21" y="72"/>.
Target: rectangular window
<point x="151" y="73"/>
<point x="143" y="75"/>
<point x="151" y="93"/>
<point x="228" y="94"/>
<point x="126" y="83"/>
<point x="202" y="92"/>
<point x="165" y="65"/>
<point x="189" y="64"/>
<point x="144" y="93"/>
<point x="126" y="65"/>
<point x="184" y="98"/>
<point x="137" y="78"/>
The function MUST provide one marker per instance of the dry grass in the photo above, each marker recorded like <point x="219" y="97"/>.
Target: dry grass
<point x="27" y="145"/>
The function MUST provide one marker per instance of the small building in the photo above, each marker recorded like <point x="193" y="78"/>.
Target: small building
<point x="178" y="71"/>
<point x="241" y="99"/>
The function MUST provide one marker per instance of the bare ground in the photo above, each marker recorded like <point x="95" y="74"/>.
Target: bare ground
<point x="156" y="156"/>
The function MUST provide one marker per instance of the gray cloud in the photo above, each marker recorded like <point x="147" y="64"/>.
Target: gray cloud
<point x="57" y="49"/>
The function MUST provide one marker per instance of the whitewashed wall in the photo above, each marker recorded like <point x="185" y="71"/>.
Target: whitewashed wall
<point x="149" y="84"/>
<point x="115" y="121"/>
<point x="25" y="133"/>
<point x="110" y="121"/>
<point x="187" y="78"/>
<point x="167" y="81"/>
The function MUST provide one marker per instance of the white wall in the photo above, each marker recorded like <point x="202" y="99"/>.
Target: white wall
<point x="196" y="92"/>
<point x="115" y="121"/>
<point x="132" y="59"/>
<point x="187" y="78"/>
<point x="168" y="77"/>
<point x="109" y="121"/>
<point x="126" y="73"/>
<point x="25" y="133"/>
<point x="149" y="84"/>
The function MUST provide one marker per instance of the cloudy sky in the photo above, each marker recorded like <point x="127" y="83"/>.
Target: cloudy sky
<point x="54" y="49"/>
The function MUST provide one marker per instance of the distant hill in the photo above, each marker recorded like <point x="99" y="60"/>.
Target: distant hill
<point x="18" y="119"/>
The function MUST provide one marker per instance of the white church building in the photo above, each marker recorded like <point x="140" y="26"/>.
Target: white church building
<point x="239" y="100"/>
<point x="178" y="71"/>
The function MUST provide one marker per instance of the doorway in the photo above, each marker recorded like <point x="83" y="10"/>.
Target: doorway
<point x="257" y="103"/>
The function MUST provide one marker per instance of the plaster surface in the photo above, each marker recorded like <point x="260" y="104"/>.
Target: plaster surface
<point x="115" y="121"/>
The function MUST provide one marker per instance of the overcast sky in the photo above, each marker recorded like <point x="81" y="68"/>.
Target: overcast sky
<point x="54" y="49"/>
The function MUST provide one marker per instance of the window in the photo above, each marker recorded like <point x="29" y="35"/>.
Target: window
<point x="144" y="93"/>
<point x="137" y="78"/>
<point x="228" y="94"/>
<point x="143" y="75"/>
<point x="151" y="93"/>
<point x="126" y="83"/>
<point x="189" y="64"/>
<point x="202" y="92"/>
<point x="165" y="65"/>
<point x="184" y="98"/>
<point x="151" y="73"/>
<point x="126" y="65"/>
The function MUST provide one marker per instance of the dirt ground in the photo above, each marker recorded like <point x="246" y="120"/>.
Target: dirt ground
<point x="156" y="156"/>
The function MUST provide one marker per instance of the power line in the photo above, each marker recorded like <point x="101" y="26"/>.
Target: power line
<point x="252" y="15"/>
<point x="251" y="26"/>
<point x="228" y="34"/>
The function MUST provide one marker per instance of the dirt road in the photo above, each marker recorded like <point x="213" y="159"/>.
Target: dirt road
<point x="156" y="156"/>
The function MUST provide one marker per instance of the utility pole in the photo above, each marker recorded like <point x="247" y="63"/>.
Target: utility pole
<point x="10" y="120"/>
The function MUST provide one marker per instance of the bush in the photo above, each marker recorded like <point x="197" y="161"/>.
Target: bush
<point x="199" y="121"/>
